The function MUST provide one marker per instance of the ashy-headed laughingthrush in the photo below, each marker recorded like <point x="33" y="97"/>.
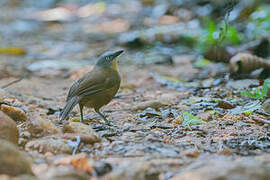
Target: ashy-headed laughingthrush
<point x="96" y="88"/>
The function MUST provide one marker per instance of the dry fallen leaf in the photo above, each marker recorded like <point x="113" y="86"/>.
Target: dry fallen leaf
<point x="166" y="141"/>
<point x="13" y="51"/>
<point x="79" y="161"/>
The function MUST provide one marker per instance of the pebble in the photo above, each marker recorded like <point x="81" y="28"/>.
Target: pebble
<point x="266" y="106"/>
<point x="12" y="161"/>
<point x="40" y="127"/>
<point x="226" y="168"/>
<point x="78" y="127"/>
<point x="55" y="145"/>
<point x="8" y="129"/>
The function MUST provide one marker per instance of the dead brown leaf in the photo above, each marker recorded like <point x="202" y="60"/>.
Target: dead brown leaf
<point x="79" y="162"/>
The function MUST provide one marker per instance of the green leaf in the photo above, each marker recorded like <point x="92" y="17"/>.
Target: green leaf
<point x="265" y="87"/>
<point x="248" y="113"/>
<point x="233" y="36"/>
<point x="249" y="94"/>
<point x="259" y="94"/>
<point x="211" y="30"/>
<point x="189" y="119"/>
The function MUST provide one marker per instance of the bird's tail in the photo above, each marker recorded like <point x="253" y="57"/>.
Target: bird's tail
<point x="69" y="106"/>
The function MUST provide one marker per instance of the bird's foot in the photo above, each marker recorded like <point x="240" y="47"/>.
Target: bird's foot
<point x="109" y="123"/>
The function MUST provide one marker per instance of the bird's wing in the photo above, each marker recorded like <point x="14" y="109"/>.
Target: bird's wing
<point x="92" y="83"/>
<point x="73" y="88"/>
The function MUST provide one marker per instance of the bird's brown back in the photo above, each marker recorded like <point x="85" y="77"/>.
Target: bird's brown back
<point x="97" y="87"/>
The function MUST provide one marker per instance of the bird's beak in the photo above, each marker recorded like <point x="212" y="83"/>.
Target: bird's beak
<point x="117" y="53"/>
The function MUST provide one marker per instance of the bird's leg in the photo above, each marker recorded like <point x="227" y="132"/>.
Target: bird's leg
<point x="103" y="117"/>
<point x="81" y="111"/>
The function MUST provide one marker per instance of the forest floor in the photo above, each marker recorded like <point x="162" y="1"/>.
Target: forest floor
<point x="228" y="138"/>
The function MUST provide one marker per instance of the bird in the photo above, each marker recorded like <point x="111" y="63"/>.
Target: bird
<point x="96" y="88"/>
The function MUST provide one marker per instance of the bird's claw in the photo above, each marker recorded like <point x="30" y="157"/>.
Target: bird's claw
<point x="109" y="123"/>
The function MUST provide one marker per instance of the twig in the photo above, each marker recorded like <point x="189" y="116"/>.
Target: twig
<point x="258" y="119"/>
<point x="12" y="82"/>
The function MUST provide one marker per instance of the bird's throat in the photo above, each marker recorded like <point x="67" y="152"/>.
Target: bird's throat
<point x="115" y="64"/>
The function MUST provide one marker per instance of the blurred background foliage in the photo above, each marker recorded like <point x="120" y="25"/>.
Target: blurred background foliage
<point x="153" y="30"/>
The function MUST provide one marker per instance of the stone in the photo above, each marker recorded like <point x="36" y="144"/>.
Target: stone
<point x="40" y="127"/>
<point x="133" y="171"/>
<point x="8" y="129"/>
<point x="225" y="168"/>
<point x="12" y="162"/>
<point x="78" y="127"/>
<point x="53" y="144"/>
<point x="85" y="132"/>
<point x="266" y="106"/>
<point x="15" y="113"/>
<point x="64" y="173"/>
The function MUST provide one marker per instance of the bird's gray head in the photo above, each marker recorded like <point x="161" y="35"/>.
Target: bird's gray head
<point x="108" y="59"/>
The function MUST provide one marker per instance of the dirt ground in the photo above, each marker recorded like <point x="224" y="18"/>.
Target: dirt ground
<point x="147" y="139"/>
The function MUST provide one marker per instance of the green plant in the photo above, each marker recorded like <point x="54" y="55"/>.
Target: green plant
<point x="189" y="119"/>
<point x="218" y="34"/>
<point x="257" y="93"/>
<point x="221" y="34"/>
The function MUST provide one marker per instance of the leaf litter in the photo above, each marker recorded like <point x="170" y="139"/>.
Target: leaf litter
<point x="159" y="127"/>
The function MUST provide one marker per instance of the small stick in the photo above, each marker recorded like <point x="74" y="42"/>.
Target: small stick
<point x="12" y="82"/>
<point x="258" y="119"/>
